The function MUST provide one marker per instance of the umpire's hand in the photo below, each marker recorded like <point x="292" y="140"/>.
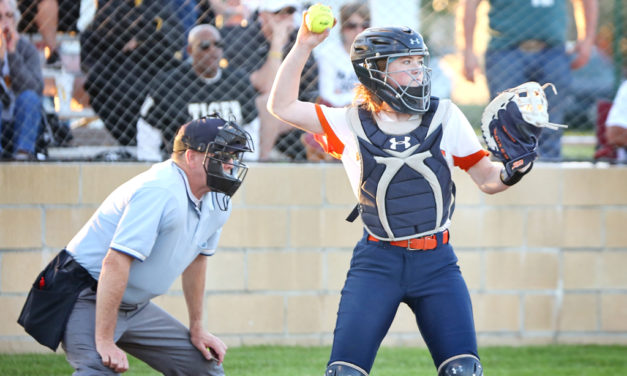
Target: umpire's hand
<point x="209" y="345"/>
<point x="112" y="356"/>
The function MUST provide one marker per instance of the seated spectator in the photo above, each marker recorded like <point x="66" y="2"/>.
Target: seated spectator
<point x="616" y="124"/>
<point x="337" y="78"/>
<point x="126" y="46"/>
<point x="194" y="89"/>
<point x="21" y="89"/>
<point x="51" y="16"/>
<point x="259" y="48"/>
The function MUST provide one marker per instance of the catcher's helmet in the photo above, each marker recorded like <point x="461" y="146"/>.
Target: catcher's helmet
<point x="224" y="144"/>
<point x="374" y="45"/>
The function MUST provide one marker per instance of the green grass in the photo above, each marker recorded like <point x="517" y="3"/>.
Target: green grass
<point x="578" y="152"/>
<point x="566" y="360"/>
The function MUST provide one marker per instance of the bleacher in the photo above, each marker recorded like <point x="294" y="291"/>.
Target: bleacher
<point x="65" y="96"/>
<point x="91" y="140"/>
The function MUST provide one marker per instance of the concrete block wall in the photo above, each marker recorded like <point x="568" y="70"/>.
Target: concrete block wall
<point x="545" y="261"/>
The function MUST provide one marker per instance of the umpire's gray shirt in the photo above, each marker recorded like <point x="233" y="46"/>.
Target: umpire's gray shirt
<point x="156" y="219"/>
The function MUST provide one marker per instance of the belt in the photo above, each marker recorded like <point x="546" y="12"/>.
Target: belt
<point x="532" y="45"/>
<point x="423" y="243"/>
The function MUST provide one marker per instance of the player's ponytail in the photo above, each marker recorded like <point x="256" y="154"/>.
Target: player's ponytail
<point x="365" y="98"/>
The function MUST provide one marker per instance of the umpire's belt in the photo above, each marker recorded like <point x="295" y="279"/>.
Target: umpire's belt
<point x="423" y="243"/>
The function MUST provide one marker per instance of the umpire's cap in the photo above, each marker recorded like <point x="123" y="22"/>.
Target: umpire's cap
<point x="210" y="134"/>
<point x="197" y="134"/>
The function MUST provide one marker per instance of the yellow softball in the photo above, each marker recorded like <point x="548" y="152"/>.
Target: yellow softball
<point x="319" y="18"/>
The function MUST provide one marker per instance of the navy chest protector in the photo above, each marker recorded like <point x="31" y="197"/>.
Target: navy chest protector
<point x="406" y="188"/>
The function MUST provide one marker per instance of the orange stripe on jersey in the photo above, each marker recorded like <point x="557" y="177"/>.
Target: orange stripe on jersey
<point x="329" y="140"/>
<point x="470" y="160"/>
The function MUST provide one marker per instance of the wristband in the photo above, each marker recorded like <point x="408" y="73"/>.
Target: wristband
<point x="515" y="177"/>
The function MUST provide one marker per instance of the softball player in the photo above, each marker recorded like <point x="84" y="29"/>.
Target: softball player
<point x="398" y="145"/>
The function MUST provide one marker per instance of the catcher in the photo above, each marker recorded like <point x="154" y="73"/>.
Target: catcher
<point x="398" y="145"/>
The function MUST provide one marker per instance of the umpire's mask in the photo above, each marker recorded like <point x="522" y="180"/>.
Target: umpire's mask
<point x="224" y="144"/>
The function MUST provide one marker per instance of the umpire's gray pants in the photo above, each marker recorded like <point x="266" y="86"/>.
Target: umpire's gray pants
<point x="145" y="331"/>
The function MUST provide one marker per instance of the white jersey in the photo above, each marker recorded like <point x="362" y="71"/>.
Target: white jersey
<point x="618" y="112"/>
<point x="459" y="144"/>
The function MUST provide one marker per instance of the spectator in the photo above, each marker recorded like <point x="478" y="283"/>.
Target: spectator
<point x="51" y="16"/>
<point x="158" y="226"/>
<point x="194" y="89"/>
<point x="127" y="45"/>
<point x="616" y="124"/>
<point x="21" y="89"/>
<point x="259" y="48"/>
<point x="528" y="43"/>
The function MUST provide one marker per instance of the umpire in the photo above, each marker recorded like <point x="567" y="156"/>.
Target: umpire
<point x="153" y="228"/>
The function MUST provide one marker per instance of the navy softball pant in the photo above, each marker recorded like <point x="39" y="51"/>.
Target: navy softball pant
<point x="381" y="276"/>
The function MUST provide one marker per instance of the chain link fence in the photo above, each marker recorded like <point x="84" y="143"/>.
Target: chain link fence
<point x="119" y="76"/>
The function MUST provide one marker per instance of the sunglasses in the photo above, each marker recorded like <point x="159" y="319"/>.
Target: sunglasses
<point x="206" y="44"/>
<point x="353" y="25"/>
<point x="7" y="15"/>
<point x="286" y="10"/>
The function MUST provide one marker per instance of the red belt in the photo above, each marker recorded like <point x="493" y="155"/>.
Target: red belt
<point x="417" y="244"/>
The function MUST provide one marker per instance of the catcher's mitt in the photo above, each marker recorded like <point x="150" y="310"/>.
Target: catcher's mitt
<point x="511" y="125"/>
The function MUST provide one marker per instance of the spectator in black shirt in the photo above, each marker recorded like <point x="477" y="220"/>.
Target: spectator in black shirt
<point x="127" y="45"/>
<point x="194" y="89"/>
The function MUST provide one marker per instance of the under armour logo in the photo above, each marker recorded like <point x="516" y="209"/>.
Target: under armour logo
<point x="414" y="41"/>
<point x="394" y="143"/>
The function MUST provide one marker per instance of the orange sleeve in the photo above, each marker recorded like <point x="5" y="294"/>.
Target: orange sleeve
<point x="470" y="160"/>
<point x="329" y="141"/>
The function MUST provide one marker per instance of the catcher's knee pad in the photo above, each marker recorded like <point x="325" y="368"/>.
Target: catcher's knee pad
<point x="344" y="369"/>
<point x="461" y="365"/>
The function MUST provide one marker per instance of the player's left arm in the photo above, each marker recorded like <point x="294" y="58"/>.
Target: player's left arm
<point x="461" y="145"/>
<point x="193" y="279"/>
<point x="487" y="175"/>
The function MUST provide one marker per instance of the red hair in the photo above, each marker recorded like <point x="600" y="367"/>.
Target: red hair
<point x="365" y="98"/>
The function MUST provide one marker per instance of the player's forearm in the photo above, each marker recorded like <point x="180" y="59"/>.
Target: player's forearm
<point x="193" y="288"/>
<point x="487" y="176"/>
<point x="111" y="285"/>
<point x="287" y="81"/>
